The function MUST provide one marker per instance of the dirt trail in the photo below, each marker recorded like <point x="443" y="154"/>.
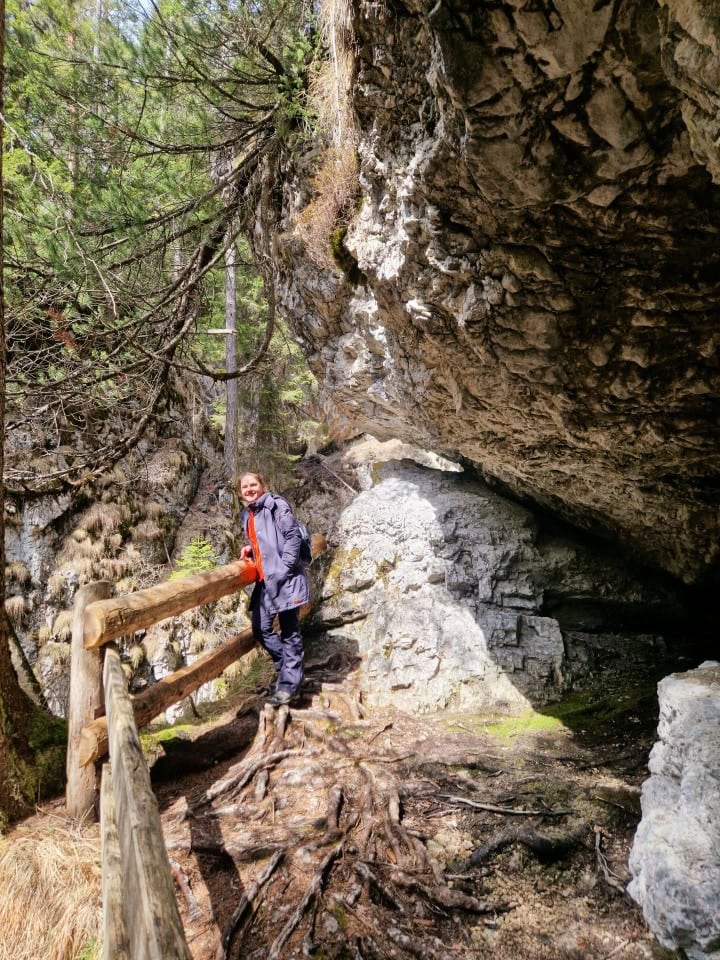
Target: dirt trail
<point x="345" y="833"/>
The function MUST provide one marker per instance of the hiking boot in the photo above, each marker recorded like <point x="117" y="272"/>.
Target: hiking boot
<point x="281" y="697"/>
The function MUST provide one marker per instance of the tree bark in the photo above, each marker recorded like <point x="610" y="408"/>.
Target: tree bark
<point x="231" y="387"/>
<point x="18" y="778"/>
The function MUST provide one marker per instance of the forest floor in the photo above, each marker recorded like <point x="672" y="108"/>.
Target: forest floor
<point x="344" y="832"/>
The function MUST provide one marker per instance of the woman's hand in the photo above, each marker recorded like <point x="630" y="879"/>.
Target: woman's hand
<point x="246" y="552"/>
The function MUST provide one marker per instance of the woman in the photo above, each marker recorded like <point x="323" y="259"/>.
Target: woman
<point x="282" y="587"/>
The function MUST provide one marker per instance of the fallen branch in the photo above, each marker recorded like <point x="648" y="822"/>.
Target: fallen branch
<point x="612" y="879"/>
<point x="492" y="808"/>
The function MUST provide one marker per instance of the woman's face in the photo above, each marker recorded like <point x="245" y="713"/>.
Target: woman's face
<point x="250" y="488"/>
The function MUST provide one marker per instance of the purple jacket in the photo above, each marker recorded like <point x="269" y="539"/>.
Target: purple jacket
<point x="278" y="536"/>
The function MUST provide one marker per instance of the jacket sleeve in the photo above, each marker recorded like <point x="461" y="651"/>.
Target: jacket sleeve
<point x="288" y="527"/>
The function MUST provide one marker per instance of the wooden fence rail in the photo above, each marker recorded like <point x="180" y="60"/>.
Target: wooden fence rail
<point x="141" y="918"/>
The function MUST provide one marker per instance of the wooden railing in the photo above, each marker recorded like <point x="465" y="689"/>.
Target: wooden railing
<point x="141" y="919"/>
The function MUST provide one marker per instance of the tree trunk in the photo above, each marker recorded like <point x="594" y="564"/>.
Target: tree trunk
<point x="231" y="397"/>
<point x="18" y="779"/>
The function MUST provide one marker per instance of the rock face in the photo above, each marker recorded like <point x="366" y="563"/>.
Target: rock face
<point x="530" y="279"/>
<point x="454" y="597"/>
<point x="675" y="859"/>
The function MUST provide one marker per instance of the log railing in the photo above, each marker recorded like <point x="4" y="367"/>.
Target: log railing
<point x="141" y="919"/>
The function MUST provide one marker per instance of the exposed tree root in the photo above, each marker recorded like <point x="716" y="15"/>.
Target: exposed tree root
<point x="248" y="902"/>
<point x="193" y="908"/>
<point x="546" y="849"/>
<point x="333" y="845"/>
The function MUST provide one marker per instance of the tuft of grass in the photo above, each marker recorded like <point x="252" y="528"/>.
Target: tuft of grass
<point x="16" y="570"/>
<point x="15" y="609"/>
<point x="62" y="625"/>
<point x="103" y="516"/>
<point x="57" y="653"/>
<point x="201" y="640"/>
<point x="50" y="902"/>
<point x="136" y="655"/>
<point x="322" y="224"/>
<point x="56" y="586"/>
<point x="153" y="510"/>
<point x="146" y="531"/>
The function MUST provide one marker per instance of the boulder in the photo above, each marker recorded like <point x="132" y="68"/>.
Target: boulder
<point x="675" y="858"/>
<point x="455" y="596"/>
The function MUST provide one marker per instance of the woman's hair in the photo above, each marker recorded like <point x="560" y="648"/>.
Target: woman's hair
<point x="258" y="477"/>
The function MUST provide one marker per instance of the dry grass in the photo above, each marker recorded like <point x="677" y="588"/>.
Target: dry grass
<point x="17" y="571"/>
<point x="62" y="625"/>
<point x="113" y="569"/>
<point x="86" y="570"/>
<point x="15" y="609"/>
<point x="56" y="586"/>
<point x="115" y="541"/>
<point x="201" y="640"/>
<point x="57" y="653"/>
<point x="335" y="188"/>
<point x="79" y="534"/>
<point x="153" y="510"/>
<point x="126" y="585"/>
<point x="154" y="642"/>
<point x="49" y="895"/>
<point x="132" y="555"/>
<point x="146" y="532"/>
<point x="136" y="655"/>
<point x="330" y="91"/>
<point x="112" y="478"/>
<point x="103" y="516"/>
<point x="43" y="635"/>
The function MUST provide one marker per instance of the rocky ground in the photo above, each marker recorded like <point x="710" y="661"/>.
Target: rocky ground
<point x="340" y="832"/>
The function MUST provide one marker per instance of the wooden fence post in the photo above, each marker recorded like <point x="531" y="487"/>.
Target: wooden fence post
<point x="85" y="699"/>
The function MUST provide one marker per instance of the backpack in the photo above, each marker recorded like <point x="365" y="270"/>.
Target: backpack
<point x="305" y="543"/>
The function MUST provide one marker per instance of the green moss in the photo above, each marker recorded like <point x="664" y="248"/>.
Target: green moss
<point x="594" y="715"/>
<point x="528" y="722"/>
<point x="45" y="730"/>
<point x="151" y="740"/>
<point x="91" y="950"/>
<point x="47" y="738"/>
<point x="337" y="911"/>
<point x="336" y="241"/>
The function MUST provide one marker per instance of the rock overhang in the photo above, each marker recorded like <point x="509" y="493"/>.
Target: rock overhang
<point x="537" y="256"/>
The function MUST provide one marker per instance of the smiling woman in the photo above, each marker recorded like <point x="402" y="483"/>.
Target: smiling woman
<point x="282" y="588"/>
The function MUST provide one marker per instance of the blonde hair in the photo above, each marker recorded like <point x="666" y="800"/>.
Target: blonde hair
<point x="248" y="473"/>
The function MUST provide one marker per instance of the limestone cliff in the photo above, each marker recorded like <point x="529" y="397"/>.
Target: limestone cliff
<point x="529" y="277"/>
